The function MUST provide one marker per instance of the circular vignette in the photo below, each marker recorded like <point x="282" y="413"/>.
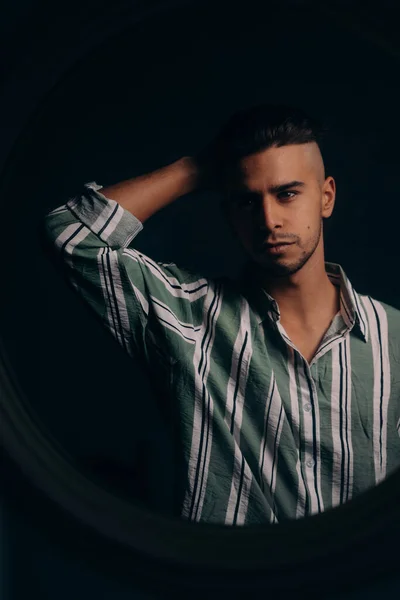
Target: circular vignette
<point x="300" y="555"/>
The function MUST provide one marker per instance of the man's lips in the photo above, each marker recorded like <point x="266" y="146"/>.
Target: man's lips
<point x="271" y="245"/>
<point x="264" y="245"/>
<point x="275" y="247"/>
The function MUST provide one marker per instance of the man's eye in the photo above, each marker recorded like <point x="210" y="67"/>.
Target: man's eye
<point x="246" y="202"/>
<point x="294" y="194"/>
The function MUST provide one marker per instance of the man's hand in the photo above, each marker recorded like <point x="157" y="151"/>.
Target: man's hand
<point x="209" y="164"/>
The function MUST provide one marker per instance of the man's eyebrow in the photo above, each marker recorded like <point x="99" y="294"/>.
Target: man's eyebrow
<point x="275" y="189"/>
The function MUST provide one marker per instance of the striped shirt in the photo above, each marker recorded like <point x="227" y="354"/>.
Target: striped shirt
<point x="261" y="434"/>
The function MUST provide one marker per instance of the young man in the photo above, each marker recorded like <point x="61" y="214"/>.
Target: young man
<point x="284" y="385"/>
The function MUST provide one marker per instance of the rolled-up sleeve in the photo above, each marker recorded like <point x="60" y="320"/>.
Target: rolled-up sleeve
<point x="127" y="290"/>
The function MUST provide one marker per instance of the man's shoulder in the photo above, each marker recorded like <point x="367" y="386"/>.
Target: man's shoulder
<point x="392" y="314"/>
<point x="390" y="309"/>
<point x="192" y="278"/>
<point x="393" y="317"/>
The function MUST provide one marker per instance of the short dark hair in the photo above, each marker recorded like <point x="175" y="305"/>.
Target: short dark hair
<point x="264" y="126"/>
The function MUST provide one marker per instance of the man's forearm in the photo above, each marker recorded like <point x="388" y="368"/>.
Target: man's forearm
<point x="145" y="195"/>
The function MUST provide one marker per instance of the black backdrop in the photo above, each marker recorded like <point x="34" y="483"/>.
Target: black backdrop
<point x="148" y="95"/>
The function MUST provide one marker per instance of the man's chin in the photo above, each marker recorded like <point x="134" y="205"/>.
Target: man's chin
<point x="279" y="267"/>
<point x="277" y="270"/>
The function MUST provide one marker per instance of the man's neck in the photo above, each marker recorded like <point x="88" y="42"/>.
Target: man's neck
<point x="306" y="299"/>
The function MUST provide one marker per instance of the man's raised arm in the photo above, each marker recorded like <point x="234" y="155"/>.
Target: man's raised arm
<point x="94" y="233"/>
<point x="145" y="195"/>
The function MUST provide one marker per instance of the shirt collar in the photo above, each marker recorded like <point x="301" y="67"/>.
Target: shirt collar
<point x="265" y="306"/>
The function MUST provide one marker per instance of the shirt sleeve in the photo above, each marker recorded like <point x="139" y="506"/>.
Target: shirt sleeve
<point x="134" y="296"/>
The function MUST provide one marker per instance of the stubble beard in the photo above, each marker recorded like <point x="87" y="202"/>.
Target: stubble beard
<point x="282" y="267"/>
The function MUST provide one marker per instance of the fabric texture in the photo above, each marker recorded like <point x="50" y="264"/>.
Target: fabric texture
<point x="262" y="435"/>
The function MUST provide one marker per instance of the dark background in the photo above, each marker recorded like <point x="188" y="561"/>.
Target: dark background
<point x="147" y="96"/>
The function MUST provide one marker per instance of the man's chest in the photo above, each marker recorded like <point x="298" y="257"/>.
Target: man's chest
<point x="307" y="345"/>
<point x="306" y="340"/>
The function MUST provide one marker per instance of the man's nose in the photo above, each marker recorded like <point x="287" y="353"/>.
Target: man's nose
<point x="269" y="214"/>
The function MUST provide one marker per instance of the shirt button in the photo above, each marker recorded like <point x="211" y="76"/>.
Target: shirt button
<point x="307" y="407"/>
<point x="310" y="463"/>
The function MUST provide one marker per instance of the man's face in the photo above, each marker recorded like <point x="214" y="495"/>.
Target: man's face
<point x="261" y="210"/>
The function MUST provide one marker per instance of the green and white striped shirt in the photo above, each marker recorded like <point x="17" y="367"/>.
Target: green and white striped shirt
<point x="263" y="435"/>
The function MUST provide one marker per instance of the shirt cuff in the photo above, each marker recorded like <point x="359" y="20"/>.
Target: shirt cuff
<point x="113" y="224"/>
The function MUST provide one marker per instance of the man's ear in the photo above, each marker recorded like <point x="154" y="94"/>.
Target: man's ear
<point x="328" y="197"/>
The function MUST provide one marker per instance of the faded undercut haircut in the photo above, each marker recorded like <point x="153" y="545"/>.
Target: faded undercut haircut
<point x="264" y="126"/>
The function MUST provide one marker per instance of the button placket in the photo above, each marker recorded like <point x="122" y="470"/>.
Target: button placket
<point x="308" y="416"/>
